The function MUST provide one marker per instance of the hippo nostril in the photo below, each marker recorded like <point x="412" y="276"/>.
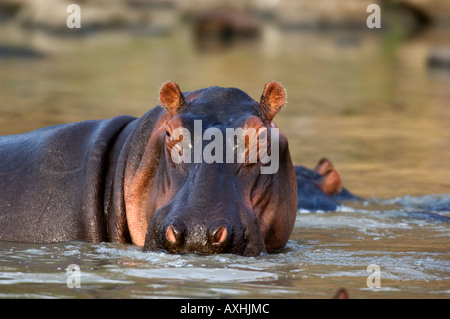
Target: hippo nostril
<point x="175" y="233"/>
<point x="220" y="235"/>
<point x="170" y="235"/>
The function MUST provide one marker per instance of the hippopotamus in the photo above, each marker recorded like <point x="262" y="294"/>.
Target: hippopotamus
<point x="321" y="189"/>
<point x="117" y="179"/>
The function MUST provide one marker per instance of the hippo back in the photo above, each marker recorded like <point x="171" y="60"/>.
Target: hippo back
<point x="51" y="181"/>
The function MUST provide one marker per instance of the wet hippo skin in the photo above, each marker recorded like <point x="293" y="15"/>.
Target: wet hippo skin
<point x="115" y="180"/>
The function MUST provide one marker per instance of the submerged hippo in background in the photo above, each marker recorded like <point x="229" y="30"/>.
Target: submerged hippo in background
<point x="321" y="188"/>
<point x="116" y="180"/>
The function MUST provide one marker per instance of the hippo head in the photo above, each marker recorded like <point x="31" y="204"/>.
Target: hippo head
<point x="215" y="177"/>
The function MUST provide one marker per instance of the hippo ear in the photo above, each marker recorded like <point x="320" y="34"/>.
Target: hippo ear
<point x="171" y="97"/>
<point x="272" y="99"/>
<point x="331" y="179"/>
<point x="323" y="166"/>
<point x="331" y="183"/>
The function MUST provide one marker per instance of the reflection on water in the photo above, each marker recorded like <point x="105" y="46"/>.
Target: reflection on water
<point x="367" y="103"/>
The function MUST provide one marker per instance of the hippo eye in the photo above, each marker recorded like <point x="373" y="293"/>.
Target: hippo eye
<point x="177" y="141"/>
<point x="171" y="143"/>
<point x="257" y="145"/>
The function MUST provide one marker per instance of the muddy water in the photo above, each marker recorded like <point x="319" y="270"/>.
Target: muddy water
<point x="366" y="101"/>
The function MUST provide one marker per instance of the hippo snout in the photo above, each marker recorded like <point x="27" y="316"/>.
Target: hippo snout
<point x="184" y="234"/>
<point x="213" y="238"/>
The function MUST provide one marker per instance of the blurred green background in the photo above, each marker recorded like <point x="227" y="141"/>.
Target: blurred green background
<point x="375" y="101"/>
